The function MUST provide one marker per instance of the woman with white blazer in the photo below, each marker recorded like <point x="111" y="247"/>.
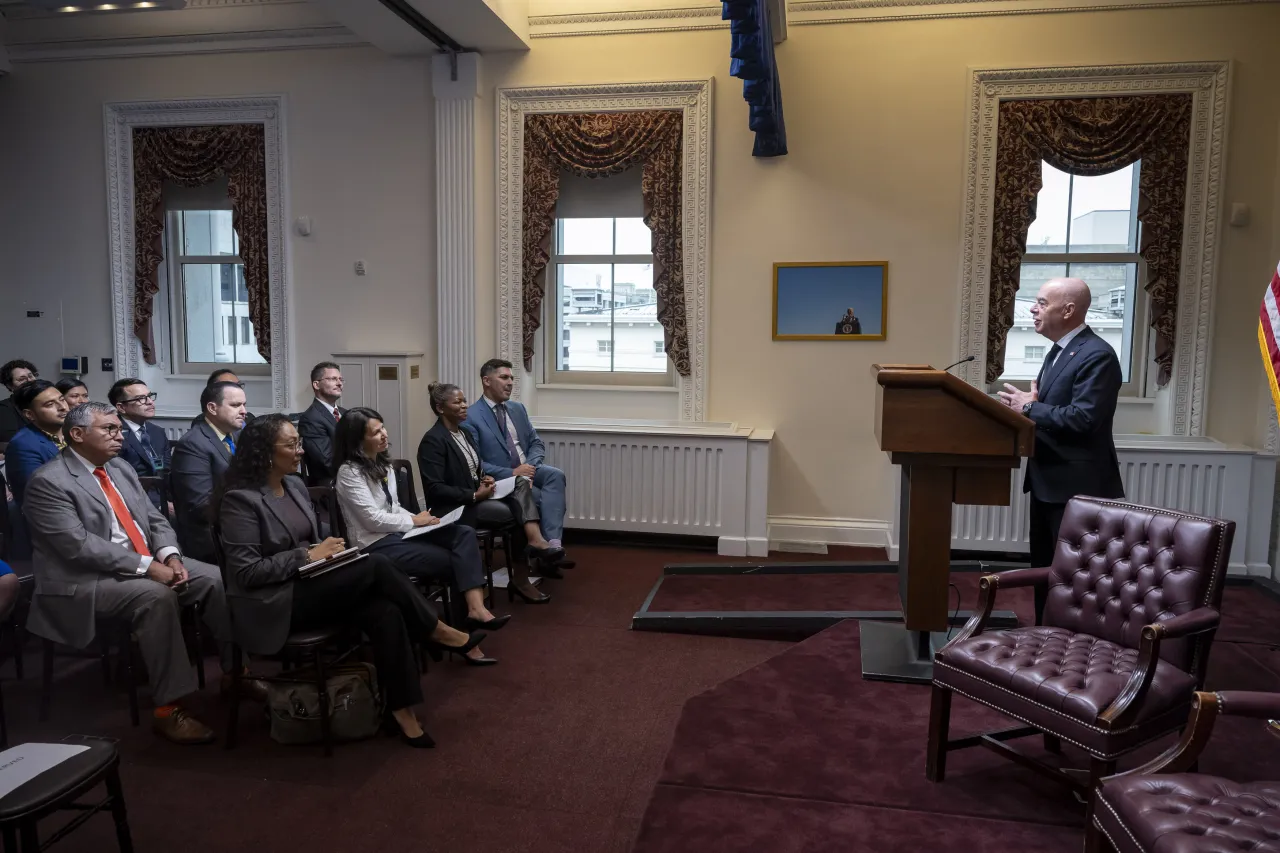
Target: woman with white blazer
<point x="375" y="521"/>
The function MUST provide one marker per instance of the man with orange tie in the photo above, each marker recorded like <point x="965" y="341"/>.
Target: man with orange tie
<point x="102" y="550"/>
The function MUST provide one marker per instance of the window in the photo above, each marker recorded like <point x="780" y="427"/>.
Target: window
<point x="1085" y="227"/>
<point x="603" y="270"/>
<point x="209" y="302"/>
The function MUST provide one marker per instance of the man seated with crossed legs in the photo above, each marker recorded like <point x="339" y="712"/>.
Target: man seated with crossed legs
<point x="102" y="550"/>
<point x="509" y="445"/>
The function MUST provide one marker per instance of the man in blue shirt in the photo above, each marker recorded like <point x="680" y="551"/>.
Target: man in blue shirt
<point x="42" y="407"/>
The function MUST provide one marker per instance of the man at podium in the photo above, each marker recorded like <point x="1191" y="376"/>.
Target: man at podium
<point x="1073" y="404"/>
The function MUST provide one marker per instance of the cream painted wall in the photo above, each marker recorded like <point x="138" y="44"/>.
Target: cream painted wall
<point x="876" y="120"/>
<point x="359" y="131"/>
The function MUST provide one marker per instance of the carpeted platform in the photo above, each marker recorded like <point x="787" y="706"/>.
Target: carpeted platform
<point x="800" y="754"/>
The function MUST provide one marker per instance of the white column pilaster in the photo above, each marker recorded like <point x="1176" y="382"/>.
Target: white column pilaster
<point x="456" y="88"/>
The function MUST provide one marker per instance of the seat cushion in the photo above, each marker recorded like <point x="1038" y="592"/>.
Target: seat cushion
<point x="314" y="636"/>
<point x="45" y="789"/>
<point x="1190" y="813"/>
<point x="1060" y="676"/>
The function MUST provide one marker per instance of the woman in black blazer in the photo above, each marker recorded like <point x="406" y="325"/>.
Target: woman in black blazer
<point x="452" y="477"/>
<point x="268" y="531"/>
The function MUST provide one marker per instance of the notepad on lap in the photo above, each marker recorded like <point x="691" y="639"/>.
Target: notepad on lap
<point x="503" y="488"/>
<point x="444" y="522"/>
<point x="338" y="560"/>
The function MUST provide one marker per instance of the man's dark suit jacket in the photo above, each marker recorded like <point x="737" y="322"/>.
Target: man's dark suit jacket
<point x="1075" y="453"/>
<point x="446" y="476"/>
<point x="318" y="428"/>
<point x="199" y="462"/>
<point x="136" y="455"/>
<point x="11" y="419"/>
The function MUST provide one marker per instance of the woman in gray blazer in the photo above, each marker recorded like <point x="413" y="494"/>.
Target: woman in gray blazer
<point x="268" y="531"/>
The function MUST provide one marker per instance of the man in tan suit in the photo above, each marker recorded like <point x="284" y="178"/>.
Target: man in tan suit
<point x="101" y="549"/>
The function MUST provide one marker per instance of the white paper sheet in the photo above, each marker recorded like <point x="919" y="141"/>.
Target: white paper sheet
<point x="444" y="522"/>
<point x="501" y="579"/>
<point x="25" y="762"/>
<point x="503" y="488"/>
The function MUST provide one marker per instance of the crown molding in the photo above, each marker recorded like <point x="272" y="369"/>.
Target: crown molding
<point x="119" y="120"/>
<point x="706" y="17"/>
<point x="802" y="12"/>
<point x="693" y="98"/>
<point x="185" y="45"/>
<point x="1208" y="84"/>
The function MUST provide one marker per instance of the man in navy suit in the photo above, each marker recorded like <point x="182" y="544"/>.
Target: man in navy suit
<point x="318" y="424"/>
<point x="41" y="405"/>
<point x="145" y="446"/>
<point x="510" y="446"/>
<point x="1073" y="404"/>
<point x="200" y="459"/>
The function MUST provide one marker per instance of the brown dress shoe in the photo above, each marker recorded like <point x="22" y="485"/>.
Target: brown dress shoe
<point x="181" y="727"/>
<point x="250" y="688"/>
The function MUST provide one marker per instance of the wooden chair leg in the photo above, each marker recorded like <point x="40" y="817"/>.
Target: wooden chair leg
<point x="488" y="570"/>
<point x="197" y="642"/>
<point x="116" y="792"/>
<point x="131" y="676"/>
<point x="19" y="635"/>
<point x="1094" y="840"/>
<point x="29" y="835"/>
<point x="506" y="553"/>
<point x="322" y="687"/>
<point x="233" y="708"/>
<point x="4" y="725"/>
<point x="46" y="680"/>
<point x="935" y="768"/>
<point x="10" y="832"/>
<point x="104" y="653"/>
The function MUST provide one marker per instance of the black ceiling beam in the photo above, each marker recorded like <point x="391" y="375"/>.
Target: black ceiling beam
<point x="419" y="22"/>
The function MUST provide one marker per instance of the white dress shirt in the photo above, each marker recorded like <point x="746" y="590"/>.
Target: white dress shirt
<point x="118" y="536"/>
<point x="365" y="507"/>
<point x="330" y="408"/>
<point x="510" y="427"/>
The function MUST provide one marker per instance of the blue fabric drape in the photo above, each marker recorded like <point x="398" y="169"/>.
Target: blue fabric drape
<point x="751" y="58"/>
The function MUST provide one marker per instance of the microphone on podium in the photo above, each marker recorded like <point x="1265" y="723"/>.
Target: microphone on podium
<point x="958" y="363"/>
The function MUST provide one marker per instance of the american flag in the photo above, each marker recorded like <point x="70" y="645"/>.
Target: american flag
<point x="1269" y="334"/>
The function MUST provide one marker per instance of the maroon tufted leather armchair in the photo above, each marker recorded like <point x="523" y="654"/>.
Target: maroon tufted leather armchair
<point x="1131" y="606"/>
<point x="1159" y="807"/>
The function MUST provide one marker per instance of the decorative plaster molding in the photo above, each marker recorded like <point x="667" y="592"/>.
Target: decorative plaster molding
<point x="801" y="12"/>
<point x="119" y="121"/>
<point x="185" y="45"/>
<point x="693" y="97"/>
<point x="1208" y="84"/>
<point x="637" y="21"/>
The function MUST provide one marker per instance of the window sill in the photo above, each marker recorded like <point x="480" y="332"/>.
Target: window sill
<point x="564" y="386"/>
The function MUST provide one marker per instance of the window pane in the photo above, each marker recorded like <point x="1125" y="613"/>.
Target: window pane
<point x="1103" y="213"/>
<point x="586" y="236"/>
<point x="1048" y="233"/>
<point x="586" y="292"/>
<point x="637" y="337"/>
<point x="216" y="330"/>
<point x="208" y="232"/>
<point x="633" y="237"/>
<point x="1114" y="288"/>
<point x="1019" y="359"/>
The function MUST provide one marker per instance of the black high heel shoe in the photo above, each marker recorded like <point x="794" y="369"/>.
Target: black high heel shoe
<point x="480" y="661"/>
<point x="473" y="639"/>
<point x="392" y="729"/>
<point x="546" y="555"/>
<point x="513" y="591"/>
<point x="494" y="624"/>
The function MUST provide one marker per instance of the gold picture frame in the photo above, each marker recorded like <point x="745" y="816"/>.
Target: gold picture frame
<point x="807" y="298"/>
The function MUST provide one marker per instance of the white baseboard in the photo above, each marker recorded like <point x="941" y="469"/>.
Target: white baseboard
<point x="742" y="546"/>
<point x="865" y="532"/>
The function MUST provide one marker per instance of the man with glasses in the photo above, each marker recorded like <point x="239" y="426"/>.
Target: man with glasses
<point x="145" y="447"/>
<point x="200" y="459"/>
<point x="103" y="551"/>
<point x="318" y="424"/>
<point x="14" y="375"/>
<point x="43" y="409"/>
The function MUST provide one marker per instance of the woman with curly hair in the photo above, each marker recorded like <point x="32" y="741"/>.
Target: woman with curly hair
<point x="268" y="531"/>
<point x="370" y="502"/>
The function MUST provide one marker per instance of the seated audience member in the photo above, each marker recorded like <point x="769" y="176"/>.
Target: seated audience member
<point x="200" y="459"/>
<point x="222" y="375"/>
<point x="103" y="551"/>
<point x="451" y="476"/>
<point x="146" y="447"/>
<point x="75" y="392"/>
<point x="509" y="445"/>
<point x="43" y="410"/>
<point x="370" y="503"/>
<point x="269" y="531"/>
<point x="14" y="375"/>
<point x="319" y="422"/>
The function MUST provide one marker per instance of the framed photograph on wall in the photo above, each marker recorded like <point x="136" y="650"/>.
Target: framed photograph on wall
<point x="835" y="301"/>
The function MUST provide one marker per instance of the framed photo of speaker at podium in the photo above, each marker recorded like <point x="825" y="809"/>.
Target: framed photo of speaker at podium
<point x="831" y="301"/>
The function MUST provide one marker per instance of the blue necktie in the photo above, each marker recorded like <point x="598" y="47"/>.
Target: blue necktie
<point x="500" y="412"/>
<point x="156" y="464"/>
<point x="231" y="445"/>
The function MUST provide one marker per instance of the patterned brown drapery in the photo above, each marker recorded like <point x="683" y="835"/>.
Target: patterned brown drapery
<point x="1091" y="136"/>
<point x="596" y="145"/>
<point x="192" y="157"/>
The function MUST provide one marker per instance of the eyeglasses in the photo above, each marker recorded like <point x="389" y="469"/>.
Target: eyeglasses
<point x="296" y="444"/>
<point x="144" y="398"/>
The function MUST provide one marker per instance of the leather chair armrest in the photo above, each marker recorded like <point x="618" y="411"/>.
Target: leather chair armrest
<point x="1193" y="622"/>
<point x="1249" y="703"/>
<point x="987" y="588"/>
<point x="1125" y="708"/>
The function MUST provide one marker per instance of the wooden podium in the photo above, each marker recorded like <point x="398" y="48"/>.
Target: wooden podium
<point x="956" y="445"/>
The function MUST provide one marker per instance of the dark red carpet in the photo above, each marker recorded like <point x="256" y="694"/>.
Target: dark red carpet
<point x="800" y="754"/>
